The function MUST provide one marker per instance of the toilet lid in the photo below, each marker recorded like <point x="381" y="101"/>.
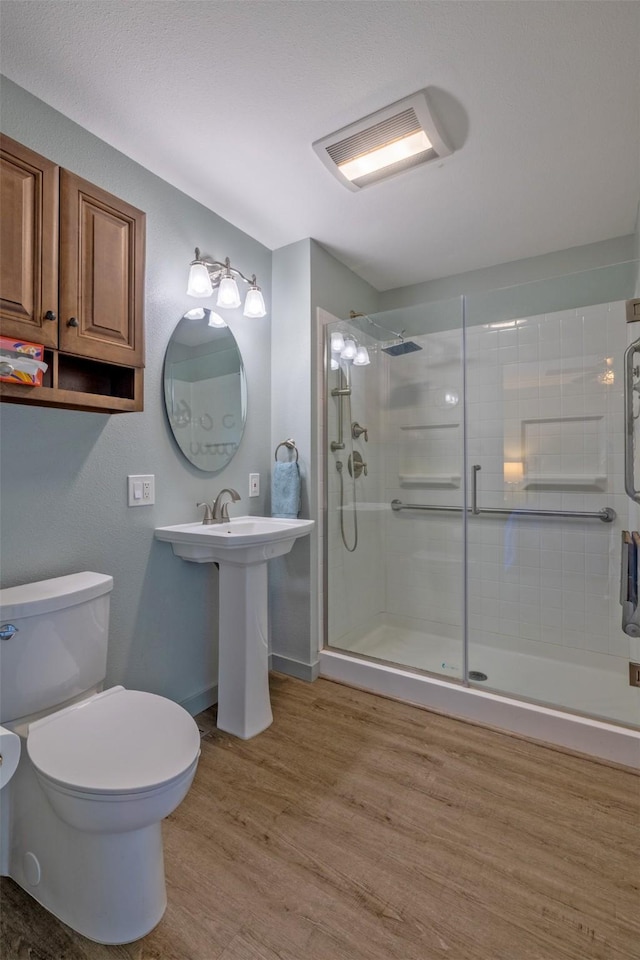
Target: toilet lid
<point x="119" y="741"/>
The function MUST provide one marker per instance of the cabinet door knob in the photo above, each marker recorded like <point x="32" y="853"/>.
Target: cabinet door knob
<point x="72" y="322"/>
<point x="50" y="315"/>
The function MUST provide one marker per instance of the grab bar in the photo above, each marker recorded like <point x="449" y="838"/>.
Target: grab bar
<point x="607" y="514"/>
<point x="629" y="369"/>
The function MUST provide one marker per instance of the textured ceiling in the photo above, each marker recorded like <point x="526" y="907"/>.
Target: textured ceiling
<point x="224" y="99"/>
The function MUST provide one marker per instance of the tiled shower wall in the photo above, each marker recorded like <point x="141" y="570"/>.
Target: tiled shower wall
<point x="545" y="424"/>
<point x="422" y="398"/>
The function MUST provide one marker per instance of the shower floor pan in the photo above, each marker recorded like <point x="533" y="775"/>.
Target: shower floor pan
<point x="586" y="688"/>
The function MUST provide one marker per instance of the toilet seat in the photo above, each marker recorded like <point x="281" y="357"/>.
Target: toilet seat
<point x="114" y="743"/>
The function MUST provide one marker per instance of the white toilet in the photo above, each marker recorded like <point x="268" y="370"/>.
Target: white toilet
<point x="80" y="820"/>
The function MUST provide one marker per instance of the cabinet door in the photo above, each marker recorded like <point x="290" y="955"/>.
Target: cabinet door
<point x="28" y="244"/>
<point x="101" y="274"/>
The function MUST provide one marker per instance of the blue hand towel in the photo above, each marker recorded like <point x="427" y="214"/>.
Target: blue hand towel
<point x="285" y="490"/>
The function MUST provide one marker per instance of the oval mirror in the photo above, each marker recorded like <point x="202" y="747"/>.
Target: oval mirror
<point x="205" y="391"/>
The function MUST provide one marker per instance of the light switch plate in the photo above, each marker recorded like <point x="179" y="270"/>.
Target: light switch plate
<point x="254" y="484"/>
<point x="141" y="489"/>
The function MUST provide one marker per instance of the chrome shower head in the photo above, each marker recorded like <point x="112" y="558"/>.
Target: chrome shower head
<point x="399" y="349"/>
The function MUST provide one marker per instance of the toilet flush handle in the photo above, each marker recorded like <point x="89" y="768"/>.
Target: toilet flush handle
<point x="7" y="630"/>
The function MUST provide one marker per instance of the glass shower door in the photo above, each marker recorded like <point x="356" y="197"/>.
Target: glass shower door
<point x="394" y="488"/>
<point x="545" y="445"/>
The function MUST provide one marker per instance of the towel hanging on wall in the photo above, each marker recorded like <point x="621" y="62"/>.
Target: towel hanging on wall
<point x="285" y="485"/>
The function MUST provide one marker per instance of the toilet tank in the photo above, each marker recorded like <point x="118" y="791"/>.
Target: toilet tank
<point x="53" y="645"/>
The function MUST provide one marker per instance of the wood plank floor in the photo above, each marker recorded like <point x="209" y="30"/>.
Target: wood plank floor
<point x="357" y="828"/>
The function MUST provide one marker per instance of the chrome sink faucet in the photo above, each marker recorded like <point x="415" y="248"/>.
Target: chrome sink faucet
<point x="218" y="511"/>
<point x="220" y="508"/>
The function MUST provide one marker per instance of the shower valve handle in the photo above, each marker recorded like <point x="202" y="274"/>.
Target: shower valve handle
<point x="356" y="465"/>
<point x="357" y="431"/>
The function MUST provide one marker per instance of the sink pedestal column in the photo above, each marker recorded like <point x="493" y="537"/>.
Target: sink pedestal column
<point x="242" y="547"/>
<point x="244" y="707"/>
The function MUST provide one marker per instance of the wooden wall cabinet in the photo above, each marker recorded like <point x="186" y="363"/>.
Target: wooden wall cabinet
<point x="71" y="278"/>
<point x="29" y="191"/>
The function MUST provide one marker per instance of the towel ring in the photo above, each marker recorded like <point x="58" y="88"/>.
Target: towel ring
<point x="290" y="445"/>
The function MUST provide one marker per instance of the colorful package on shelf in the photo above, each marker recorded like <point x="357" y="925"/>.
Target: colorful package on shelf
<point x="21" y="362"/>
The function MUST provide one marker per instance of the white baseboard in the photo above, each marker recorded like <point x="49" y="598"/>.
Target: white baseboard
<point x="200" y="701"/>
<point x="295" y="668"/>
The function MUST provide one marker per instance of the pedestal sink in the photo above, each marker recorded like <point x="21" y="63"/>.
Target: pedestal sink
<point x="242" y="547"/>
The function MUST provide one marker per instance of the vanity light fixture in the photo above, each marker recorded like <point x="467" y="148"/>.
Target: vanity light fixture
<point x="215" y="320"/>
<point x="347" y="350"/>
<point x="361" y="358"/>
<point x="199" y="313"/>
<point x="337" y="342"/>
<point x="205" y="275"/>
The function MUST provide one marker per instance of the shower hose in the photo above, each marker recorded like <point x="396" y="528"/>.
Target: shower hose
<point x="339" y="468"/>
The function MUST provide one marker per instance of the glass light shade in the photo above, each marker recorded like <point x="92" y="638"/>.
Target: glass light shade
<point x="228" y="295"/>
<point x="254" y="304"/>
<point x="215" y="320"/>
<point x="337" y="343"/>
<point x="196" y="314"/>
<point x="349" y="350"/>
<point x="334" y="364"/>
<point x="361" y="358"/>
<point x="199" y="281"/>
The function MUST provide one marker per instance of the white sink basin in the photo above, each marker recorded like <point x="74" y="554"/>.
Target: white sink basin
<point x="242" y="546"/>
<point x="241" y="540"/>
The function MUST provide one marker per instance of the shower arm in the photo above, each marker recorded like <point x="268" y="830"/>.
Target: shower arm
<point x="365" y="316"/>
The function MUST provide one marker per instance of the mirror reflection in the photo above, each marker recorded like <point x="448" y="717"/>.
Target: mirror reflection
<point x="205" y="390"/>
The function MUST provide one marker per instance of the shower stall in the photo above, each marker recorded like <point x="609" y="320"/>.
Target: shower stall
<point x="475" y="511"/>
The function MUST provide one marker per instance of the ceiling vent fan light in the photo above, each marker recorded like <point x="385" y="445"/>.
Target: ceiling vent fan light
<point x="383" y="144"/>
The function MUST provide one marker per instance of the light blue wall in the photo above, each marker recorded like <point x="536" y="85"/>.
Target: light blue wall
<point x="575" y="261"/>
<point x="337" y="289"/>
<point x="595" y="273"/>
<point x="63" y="482"/>
<point x="636" y="246"/>
<point x="290" y="602"/>
<point x="305" y="277"/>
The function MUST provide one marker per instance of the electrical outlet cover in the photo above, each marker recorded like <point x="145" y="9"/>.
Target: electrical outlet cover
<point x="141" y="490"/>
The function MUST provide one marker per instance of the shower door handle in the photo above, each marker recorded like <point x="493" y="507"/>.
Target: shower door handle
<point x="475" y="509"/>
<point x="629" y="373"/>
<point x="629" y="555"/>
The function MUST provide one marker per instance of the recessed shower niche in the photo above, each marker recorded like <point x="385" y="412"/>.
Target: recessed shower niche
<point x="430" y="455"/>
<point x="564" y="452"/>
